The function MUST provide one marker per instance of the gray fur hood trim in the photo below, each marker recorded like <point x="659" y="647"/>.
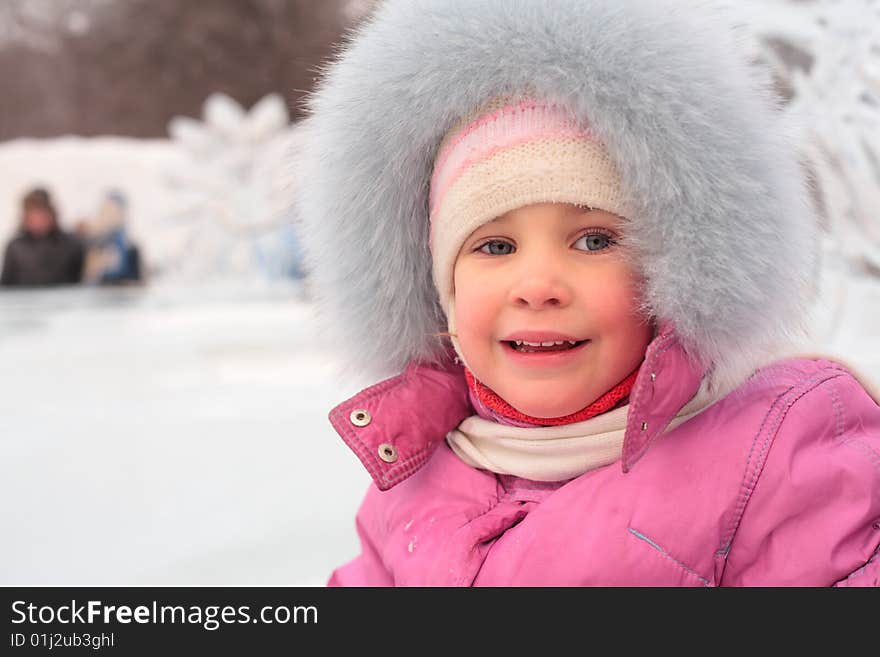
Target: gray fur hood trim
<point x="719" y="215"/>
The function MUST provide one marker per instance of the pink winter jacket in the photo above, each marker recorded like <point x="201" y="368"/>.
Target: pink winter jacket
<point x="776" y="484"/>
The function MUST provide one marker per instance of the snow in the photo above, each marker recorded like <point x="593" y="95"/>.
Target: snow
<point x="171" y="436"/>
<point x="175" y="433"/>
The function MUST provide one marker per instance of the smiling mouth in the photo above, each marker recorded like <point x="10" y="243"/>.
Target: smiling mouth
<point x="525" y="347"/>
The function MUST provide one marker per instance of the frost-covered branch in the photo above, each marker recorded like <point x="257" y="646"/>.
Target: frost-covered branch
<point x="825" y="55"/>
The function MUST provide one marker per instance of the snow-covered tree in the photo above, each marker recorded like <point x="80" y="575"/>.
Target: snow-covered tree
<point x="825" y="58"/>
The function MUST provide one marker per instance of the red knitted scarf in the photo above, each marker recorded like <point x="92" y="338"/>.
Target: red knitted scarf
<point x="606" y="402"/>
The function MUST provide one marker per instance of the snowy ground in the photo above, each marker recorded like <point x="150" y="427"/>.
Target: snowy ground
<point x="164" y="436"/>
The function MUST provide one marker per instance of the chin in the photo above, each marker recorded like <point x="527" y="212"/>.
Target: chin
<point x="543" y="410"/>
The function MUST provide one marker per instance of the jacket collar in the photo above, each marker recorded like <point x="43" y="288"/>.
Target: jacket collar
<point x="394" y="426"/>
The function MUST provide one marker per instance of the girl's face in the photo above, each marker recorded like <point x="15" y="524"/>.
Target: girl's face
<point x="549" y="273"/>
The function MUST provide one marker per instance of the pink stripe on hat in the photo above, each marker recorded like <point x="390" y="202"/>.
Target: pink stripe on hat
<point x="488" y="134"/>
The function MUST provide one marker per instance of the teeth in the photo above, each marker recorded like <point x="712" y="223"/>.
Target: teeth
<point x="552" y="343"/>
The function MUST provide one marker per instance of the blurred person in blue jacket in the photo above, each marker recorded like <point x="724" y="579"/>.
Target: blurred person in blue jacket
<point x="41" y="254"/>
<point x="111" y="257"/>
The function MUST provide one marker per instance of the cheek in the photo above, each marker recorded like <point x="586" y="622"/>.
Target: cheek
<point x="615" y="302"/>
<point x="477" y="305"/>
<point x="475" y="310"/>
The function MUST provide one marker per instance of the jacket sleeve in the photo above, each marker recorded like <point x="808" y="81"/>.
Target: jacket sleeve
<point x="77" y="260"/>
<point x="813" y="515"/>
<point x="8" y="275"/>
<point x="367" y="569"/>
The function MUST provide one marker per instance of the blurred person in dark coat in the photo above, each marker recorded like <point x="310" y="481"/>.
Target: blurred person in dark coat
<point x="41" y="254"/>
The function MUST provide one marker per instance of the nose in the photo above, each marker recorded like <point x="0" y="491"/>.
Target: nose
<point x="540" y="283"/>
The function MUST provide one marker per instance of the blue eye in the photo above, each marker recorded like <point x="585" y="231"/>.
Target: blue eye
<point x="497" y="247"/>
<point x="594" y="242"/>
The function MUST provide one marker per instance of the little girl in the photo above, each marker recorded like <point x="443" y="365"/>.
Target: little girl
<point x="575" y="235"/>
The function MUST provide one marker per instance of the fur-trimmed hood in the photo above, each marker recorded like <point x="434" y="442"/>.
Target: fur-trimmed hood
<point x="719" y="215"/>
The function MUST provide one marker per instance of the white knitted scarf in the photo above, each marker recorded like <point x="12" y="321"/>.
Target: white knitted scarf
<point x="555" y="453"/>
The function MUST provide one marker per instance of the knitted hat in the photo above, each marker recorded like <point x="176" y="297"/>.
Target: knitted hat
<point x="37" y="198"/>
<point x="503" y="156"/>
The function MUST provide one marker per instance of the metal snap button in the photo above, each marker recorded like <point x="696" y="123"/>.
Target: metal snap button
<point x="653" y="376"/>
<point x="360" y="417"/>
<point x="644" y="426"/>
<point x="387" y="452"/>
